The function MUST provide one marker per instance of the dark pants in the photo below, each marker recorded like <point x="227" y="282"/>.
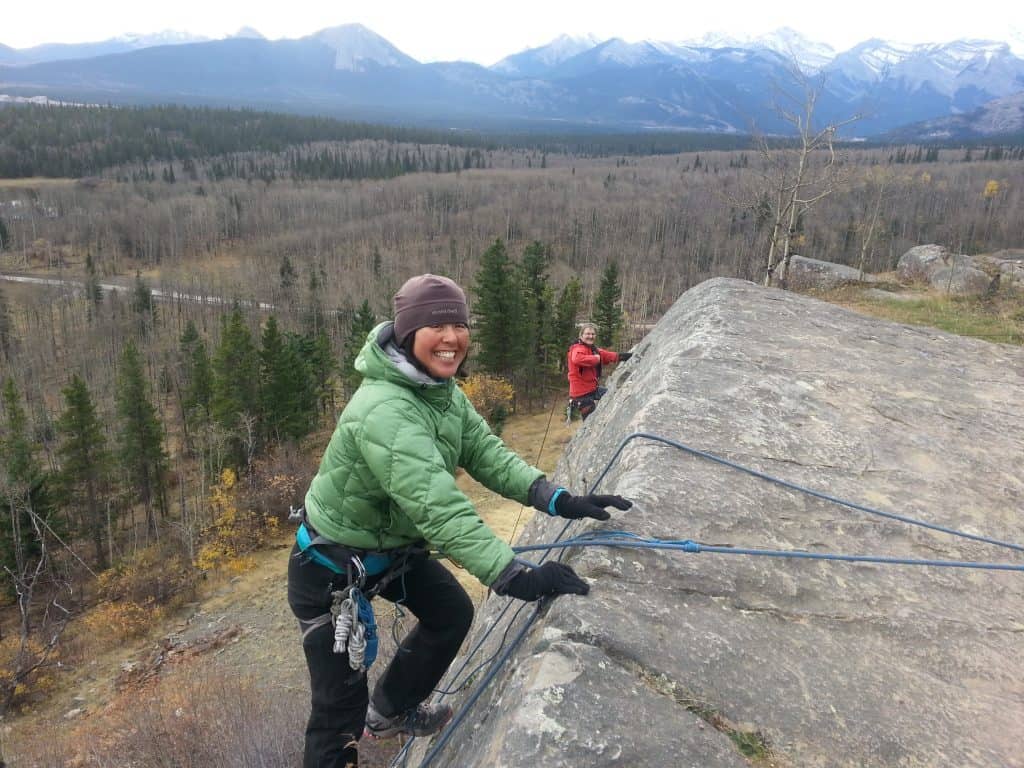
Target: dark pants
<point x="586" y="404"/>
<point x="339" y="694"/>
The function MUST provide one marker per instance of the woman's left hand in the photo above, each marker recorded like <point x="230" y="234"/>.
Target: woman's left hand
<point x="591" y="505"/>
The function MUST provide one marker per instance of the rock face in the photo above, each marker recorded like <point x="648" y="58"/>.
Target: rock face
<point x="679" y="659"/>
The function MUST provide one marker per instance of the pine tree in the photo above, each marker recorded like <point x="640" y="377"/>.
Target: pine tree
<point x="607" y="312"/>
<point x="93" y="291"/>
<point x="142" y="303"/>
<point x="288" y="275"/>
<point x="196" y="376"/>
<point x="85" y="464"/>
<point x="287" y="390"/>
<point x="6" y="329"/>
<point x="563" y="332"/>
<point x="25" y="505"/>
<point x="361" y="325"/>
<point x="322" y="367"/>
<point x="536" y="319"/>
<point x="141" y="450"/>
<point x="235" y="402"/>
<point x="5" y="236"/>
<point x="497" y="310"/>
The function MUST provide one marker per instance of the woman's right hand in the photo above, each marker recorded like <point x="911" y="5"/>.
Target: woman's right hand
<point x="552" y="578"/>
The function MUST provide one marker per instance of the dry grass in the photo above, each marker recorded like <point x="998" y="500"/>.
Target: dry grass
<point x="35" y="182"/>
<point x="999" y="319"/>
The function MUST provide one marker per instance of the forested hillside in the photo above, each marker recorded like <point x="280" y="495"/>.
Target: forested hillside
<point x="76" y="141"/>
<point x="145" y="437"/>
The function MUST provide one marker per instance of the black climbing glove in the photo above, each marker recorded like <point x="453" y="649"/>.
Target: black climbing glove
<point x="624" y="356"/>
<point x="591" y="505"/>
<point x="552" y="578"/>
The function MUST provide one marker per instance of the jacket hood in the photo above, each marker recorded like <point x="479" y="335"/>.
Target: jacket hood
<point x="381" y="358"/>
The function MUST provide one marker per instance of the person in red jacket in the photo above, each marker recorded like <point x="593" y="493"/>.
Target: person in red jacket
<point x="585" y="362"/>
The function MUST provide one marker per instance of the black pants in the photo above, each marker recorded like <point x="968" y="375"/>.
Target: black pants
<point x="339" y="694"/>
<point x="586" y="404"/>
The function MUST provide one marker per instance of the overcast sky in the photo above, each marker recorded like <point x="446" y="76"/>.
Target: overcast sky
<point x="484" y="32"/>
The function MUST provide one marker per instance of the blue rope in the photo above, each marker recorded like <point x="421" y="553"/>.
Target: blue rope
<point x="688" y="545"/>
<point x="801" y="489"/>
<point x="446" y="734"/>
<point x="626" y="539"/>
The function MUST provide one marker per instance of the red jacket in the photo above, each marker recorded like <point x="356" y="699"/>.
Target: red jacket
<point x="584" y="364"/>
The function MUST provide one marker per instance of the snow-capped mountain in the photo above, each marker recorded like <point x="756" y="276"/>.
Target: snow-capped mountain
<point x="536" y="62"/>
<point x="135" y="41"/>
<point x="249" y="33"/>
<point x="357" y="48"/>
<point x="120" y="44"/>
<point x="810" y="56"/>
<point x="715" y="83"/>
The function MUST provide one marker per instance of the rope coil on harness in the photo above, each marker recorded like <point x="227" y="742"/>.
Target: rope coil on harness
<point x="351" y="632"/>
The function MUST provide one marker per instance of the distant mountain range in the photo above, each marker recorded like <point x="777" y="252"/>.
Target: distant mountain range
<point x="712" y="84"/>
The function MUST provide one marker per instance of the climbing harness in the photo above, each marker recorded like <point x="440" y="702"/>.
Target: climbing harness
<point x="351" y="613"/>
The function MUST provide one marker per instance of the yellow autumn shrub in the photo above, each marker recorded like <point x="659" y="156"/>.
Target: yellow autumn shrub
<point x="18" y="685"/>
<point x="492" y="397"/>
<point x="235" y="533"/>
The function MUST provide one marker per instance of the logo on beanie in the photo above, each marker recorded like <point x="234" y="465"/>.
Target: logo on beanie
<point x="446" y="311"/>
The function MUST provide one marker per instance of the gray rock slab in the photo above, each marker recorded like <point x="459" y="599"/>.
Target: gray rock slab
<point x="961" y="279"/>
<point x="878" y="293"/>
<point x="833" y="664"/>
<point x="814" y="273"/>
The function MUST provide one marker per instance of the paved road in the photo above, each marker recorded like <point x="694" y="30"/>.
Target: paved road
<point x="157" y="294"/>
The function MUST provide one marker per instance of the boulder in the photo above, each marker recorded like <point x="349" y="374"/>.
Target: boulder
<point x="1009" y="265"/>
<point x="678" y="659"/>
<point x="813" y="274"/>
<point x="960" y="279"/>
<point x="918" y="264"/>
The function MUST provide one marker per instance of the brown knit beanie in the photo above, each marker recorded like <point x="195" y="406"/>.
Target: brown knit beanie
<point x="428" y="300"/>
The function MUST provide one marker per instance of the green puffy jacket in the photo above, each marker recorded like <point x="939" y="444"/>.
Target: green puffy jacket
<point x="387" y="478"/>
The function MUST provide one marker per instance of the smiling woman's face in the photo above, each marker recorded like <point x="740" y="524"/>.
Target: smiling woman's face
<point x="588" y="335"/>
<point x="441" y="348"/>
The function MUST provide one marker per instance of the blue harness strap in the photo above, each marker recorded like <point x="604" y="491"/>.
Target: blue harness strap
<point x="375" y="563"/>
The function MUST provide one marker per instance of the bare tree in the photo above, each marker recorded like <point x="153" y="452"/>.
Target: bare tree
<point x="795" y="176"/>
<point x="880" y="181"/>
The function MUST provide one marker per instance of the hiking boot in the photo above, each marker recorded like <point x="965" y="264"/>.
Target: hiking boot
<point x="424" y="720"/>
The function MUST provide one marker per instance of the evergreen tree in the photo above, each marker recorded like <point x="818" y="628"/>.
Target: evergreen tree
<point x="563" y="332"/>
<point x="497" y="311"/>
<point x="235" y="402"/>
<point x="142" y="303"/>
<point x="607" y="312"/>
<point x="536" y="317"/>
<point x="93" y="291"/>
<point x="6" y="329"/>
<point x="5" y="236"/>
<point x="25" y="506"/>
<point x="322" y="367"/>
<point x="288" y="275"/>
<point x="360" y="326"/>
<point x="196" y="376"/>
<point x="141" y="450"/>
<point x="85" y="464"/>
<point x="287" y="389"/>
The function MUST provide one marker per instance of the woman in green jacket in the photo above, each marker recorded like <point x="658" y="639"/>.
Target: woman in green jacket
<point x="385" y="491"/>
